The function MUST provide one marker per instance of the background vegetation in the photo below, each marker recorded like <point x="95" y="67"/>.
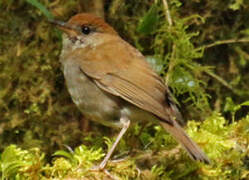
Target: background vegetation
<point x="202" y="52"/>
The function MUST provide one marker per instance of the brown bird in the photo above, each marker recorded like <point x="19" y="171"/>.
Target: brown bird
<point x="111" y="83"/>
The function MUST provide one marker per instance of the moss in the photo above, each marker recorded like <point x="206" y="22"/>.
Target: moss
<point x="225" y="144"/>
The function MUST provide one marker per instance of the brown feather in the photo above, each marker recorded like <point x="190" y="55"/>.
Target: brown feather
<point x="190" y="146"/>
<point x="133" y="79"/>
<point x="88" y="19"/>
<point x="124" y="72"/>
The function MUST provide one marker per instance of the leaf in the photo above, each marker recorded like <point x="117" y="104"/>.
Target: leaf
<point x="148" y="23"/>
<point x="42" y="8"/>
<point x="245" y="103"/>
<point x="63" y="154"/>
<point x="12" y="160"/>
<point x="236" y="5"/>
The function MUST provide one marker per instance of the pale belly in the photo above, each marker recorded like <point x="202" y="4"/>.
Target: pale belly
<point x="96" y="104"/>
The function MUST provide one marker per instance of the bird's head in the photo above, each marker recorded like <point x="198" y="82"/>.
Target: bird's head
<point x="84" y="29"/>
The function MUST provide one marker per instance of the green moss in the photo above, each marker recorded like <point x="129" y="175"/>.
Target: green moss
<point x="225" y="144"/>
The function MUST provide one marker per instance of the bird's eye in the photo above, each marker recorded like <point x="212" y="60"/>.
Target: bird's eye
<point x="85" y="30"/>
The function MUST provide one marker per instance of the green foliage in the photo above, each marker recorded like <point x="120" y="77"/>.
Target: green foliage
<point x="29" y="164"/>
<point x="31" y="82"/>
<point x="82" y="156"/>
<point x="42" y="8"/>
<point x="233" y="108"/>
<point x="183" y="74"/>
<point x="149" y="22"/>
<point x="20" y="164"/>
<point x="225" y="146"/>
<point x="214" y="135"/>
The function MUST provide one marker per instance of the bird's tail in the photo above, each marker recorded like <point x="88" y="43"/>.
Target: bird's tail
<point x="191" y="147"/>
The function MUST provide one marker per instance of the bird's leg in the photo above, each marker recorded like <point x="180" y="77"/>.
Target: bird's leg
<point x="125" y="123"/>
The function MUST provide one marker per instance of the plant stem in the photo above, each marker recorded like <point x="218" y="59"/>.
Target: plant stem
<point x="167" y="13"/>
<point x="228" y="41"/>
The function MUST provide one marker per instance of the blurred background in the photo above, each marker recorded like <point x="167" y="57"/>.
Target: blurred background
<point x="200" y="48"/>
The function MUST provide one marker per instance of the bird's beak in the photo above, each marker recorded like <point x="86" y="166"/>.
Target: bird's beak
<point x="65" y="27"/>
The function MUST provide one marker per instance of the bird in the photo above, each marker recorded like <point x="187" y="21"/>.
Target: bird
<point x="111" y="82"/>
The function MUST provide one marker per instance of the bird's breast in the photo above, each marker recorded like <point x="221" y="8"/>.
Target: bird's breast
<point x="94" y="103"/>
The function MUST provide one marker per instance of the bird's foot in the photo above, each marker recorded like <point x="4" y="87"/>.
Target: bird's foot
<point x="100" y="167"/>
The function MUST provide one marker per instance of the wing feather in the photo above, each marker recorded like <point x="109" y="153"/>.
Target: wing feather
<point x="125" y="73"/>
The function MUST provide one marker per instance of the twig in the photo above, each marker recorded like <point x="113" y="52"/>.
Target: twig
<point x="167" y="13"/>
<point x="151" y="156"/>
<point x="242" y="53"/>
<point x="108" y="174"/>
<point x="171" y="63"/>
<point x="213" y="75"/>
<point x="229" y="41"/>
<point x="138" y="172"/>
<point x="222" y="81"/>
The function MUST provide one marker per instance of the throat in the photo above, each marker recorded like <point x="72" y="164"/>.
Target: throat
<point x="73" y="43"/>
<point x="78" y="43"/>
<point x="70" y="44"/>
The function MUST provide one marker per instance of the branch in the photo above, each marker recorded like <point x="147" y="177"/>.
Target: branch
<point x="167" y="13"/>
<point x="229" y="41"/>
<point x="222" y="81"/>
<point x="171" y="63"/>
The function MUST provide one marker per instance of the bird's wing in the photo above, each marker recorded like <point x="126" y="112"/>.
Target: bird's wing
<point x="124" y="72"/>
